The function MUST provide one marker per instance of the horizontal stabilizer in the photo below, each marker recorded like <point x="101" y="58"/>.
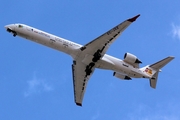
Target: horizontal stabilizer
<point x="158" y="65"/>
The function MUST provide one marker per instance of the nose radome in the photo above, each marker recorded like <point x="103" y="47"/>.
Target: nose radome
<point x="11" y="29"/>
<point x="6" y="27"/>
<point x="10" y="26"/>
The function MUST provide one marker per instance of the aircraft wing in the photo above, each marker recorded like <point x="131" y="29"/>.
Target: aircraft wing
<point x="102" y="43"/>
<point x="84" y="65"/>
<point x="81" y="75"/>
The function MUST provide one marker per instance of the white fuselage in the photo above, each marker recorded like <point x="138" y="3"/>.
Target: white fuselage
<point x="106" y="62"/>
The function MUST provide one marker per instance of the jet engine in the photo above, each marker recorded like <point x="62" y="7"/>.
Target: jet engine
<point x="123" y="77"/>
<point x="130" y="58"/>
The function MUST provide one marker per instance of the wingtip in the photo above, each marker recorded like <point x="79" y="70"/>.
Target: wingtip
<point x="79" y="104"/>
<point x="134" y="18"/>
<point x="172" y="57"/>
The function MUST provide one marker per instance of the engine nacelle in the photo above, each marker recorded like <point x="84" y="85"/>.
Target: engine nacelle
<point x="130" y="58"/>
<point x="123" y="77"/>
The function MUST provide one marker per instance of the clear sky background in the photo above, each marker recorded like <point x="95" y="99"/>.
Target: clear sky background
<point x="36" y="81"/>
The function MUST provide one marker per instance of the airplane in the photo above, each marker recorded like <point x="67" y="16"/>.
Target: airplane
<point x="92" y="55"/>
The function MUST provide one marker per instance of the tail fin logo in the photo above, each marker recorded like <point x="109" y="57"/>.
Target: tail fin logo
<point x="148" y="71"/>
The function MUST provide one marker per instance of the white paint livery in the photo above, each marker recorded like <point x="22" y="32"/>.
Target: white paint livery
<point x="92" y="55"/>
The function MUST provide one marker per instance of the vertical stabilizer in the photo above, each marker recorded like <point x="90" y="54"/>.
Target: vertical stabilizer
<point x="153" y="80"/>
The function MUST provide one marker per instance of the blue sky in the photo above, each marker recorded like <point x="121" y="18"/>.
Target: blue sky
<point x="36" y="81"/>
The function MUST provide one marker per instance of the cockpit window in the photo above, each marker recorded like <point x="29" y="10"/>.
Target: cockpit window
<point x="20" y="26"/>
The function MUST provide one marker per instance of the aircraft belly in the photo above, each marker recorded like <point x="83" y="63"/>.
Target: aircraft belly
<point x="105" y="64"/>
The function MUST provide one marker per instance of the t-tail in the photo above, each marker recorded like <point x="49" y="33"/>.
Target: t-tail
<point x="153" y="70"/>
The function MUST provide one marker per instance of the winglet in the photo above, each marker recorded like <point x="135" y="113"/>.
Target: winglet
<point x="133" y="19"/>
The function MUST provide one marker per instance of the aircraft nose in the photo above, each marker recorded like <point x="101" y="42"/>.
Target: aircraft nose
<point x="9" y="27"/>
